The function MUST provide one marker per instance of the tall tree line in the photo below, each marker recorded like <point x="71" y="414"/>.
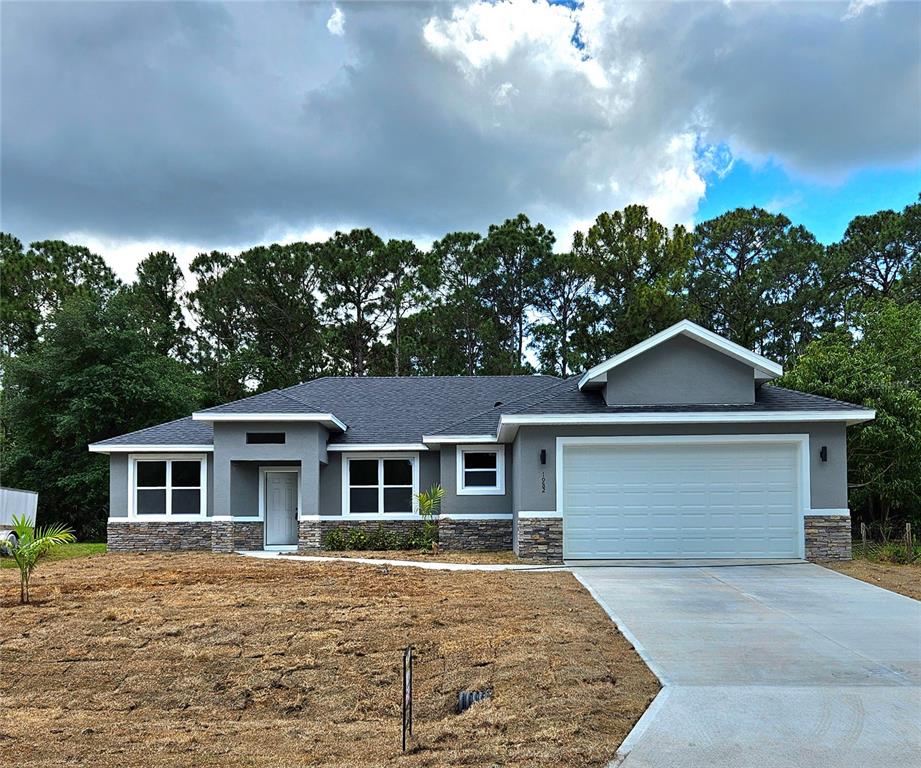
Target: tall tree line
<point x="85" y="356"/>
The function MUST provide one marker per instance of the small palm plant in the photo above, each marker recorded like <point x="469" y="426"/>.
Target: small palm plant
<point x="429" y="506"/>
<point x="31" y="545"/>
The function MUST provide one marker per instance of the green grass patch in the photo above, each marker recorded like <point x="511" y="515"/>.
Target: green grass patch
<point x="895" y="552"/>
<point x="64" y="552"/>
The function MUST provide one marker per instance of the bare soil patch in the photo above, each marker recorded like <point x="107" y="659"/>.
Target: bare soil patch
<point x="219" y="660"/>
<point x="901" y="578"/>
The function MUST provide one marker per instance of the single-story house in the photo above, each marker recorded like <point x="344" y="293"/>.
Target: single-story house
<point x="678" y="447"/>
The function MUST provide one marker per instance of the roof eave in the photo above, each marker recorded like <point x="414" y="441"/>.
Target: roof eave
<point x="509" y="424"/>
<point x="328" y="420"/>
<point x="457" y="439"/>
<point x="151" y="447"/>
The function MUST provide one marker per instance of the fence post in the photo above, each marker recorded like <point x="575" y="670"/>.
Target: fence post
<point x="863" y="536"/>
<point x="407" y="693"/>
<point x="908" y="541"/>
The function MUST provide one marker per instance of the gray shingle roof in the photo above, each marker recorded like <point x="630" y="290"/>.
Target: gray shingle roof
<point x="375" y="409"/>
<point x="179" y="432"/>
<point x="275" y="401"/>
<point x="403" y="409"/>
<point x="566" y="398"/>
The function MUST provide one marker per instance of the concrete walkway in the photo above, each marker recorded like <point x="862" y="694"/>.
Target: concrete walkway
<point x="424" y="564"/>
<point x="769" y="666"/>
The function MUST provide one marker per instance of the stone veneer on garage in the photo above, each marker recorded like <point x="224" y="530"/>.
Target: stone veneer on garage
<point x="540" y="538"/>
<point x="828" y="537"/>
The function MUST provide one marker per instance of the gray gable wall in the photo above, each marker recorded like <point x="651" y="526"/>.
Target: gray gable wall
<point x="680" y="371"/>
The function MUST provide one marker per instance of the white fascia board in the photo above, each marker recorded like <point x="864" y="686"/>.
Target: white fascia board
<point x="767" y="368"/>
<point x="376" y="447"/>
<point x="437" y="439"/>
<point x="150" y="448"/>
<point x="327" y="419"/>
<point x="508" y="425"/>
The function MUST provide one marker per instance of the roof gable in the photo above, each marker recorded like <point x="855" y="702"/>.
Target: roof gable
<point x="764" y="369"/>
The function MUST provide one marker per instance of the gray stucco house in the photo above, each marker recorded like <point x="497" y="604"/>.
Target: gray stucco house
<point x="675" y="448"/>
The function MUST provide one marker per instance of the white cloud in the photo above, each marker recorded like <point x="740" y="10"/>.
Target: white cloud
<point x="503" y="93"/>
<point x="857" y="7"/>
<point x="485" y="33"/>
<point x="677" y="188"/>
<point x="336" y="22"/>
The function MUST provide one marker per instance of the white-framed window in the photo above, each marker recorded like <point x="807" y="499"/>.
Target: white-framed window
<point x="167" y="487"/>
<point x="481" y="470"/>
<point x="380" y="485"/>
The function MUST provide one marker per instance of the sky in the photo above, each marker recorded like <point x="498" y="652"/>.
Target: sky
<point x="132" y="126"/>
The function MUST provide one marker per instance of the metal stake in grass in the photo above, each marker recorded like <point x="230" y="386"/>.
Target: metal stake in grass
<point x="407" y="693"/>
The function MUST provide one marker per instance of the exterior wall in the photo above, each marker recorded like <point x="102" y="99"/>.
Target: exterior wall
<point x="118" y="485"/>
<point x="331" y="478"/>
<point x="474" y="505"/>
<point x="302" y="444"/>
<point x="828" y="537"/>
<point x="159" y="536"/>
<point x="680" y="370"/>
<point x="828" y="480"/>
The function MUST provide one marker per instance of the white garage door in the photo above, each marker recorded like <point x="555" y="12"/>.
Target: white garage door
<point x="681" y="500"/>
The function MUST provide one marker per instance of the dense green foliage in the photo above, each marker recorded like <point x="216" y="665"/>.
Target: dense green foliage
<point x="379" y="539"/>
<point x="876" y="364"/>
<point x="85" y="357"/>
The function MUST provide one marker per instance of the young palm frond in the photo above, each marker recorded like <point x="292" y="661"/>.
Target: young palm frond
<point x="430" y="505"/>
<point x="32" y="544"/>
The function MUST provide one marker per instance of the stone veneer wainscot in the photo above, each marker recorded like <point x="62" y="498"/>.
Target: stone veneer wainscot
<point x="159" y="536"/>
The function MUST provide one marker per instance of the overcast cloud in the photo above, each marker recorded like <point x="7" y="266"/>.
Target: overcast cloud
<point x="206" y="125"/>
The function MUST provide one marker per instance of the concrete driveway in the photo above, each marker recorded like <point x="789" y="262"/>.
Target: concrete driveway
<point x="769" y="666"/>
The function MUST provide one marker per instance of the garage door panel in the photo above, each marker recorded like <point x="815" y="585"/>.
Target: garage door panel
<point x="682" y="500"/>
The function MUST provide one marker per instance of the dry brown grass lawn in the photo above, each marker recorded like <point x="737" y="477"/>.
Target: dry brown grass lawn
<point x="219" y="660"/>
<point x="505" y="557"/>
<point x="904" y="579"/>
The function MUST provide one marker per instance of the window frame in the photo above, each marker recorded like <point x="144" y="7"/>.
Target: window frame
<point x="481" y="490"/>
<point x="380" y="458"/>
<point x="169" y="458"/>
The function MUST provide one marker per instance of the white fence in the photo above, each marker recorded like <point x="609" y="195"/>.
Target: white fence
<point x="17" y="503"/>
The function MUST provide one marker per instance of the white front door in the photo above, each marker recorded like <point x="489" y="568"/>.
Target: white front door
<point x="684" y="500"/>
<point x="280" y="508"/>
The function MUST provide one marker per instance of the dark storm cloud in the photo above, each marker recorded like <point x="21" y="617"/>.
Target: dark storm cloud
<point x="229" y="123"/>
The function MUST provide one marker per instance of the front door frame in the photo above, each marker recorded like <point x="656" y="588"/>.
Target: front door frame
<point x="264" y="472"/>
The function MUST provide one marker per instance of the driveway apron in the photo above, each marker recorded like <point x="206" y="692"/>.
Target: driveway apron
<point x="769" y="666"/>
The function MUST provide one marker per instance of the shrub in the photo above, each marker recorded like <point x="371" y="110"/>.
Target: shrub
<point x="344" y="538"/>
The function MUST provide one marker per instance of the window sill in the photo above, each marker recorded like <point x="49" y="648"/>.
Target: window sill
<point x="378" y="516"/>
<point x="481" y="491"/>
